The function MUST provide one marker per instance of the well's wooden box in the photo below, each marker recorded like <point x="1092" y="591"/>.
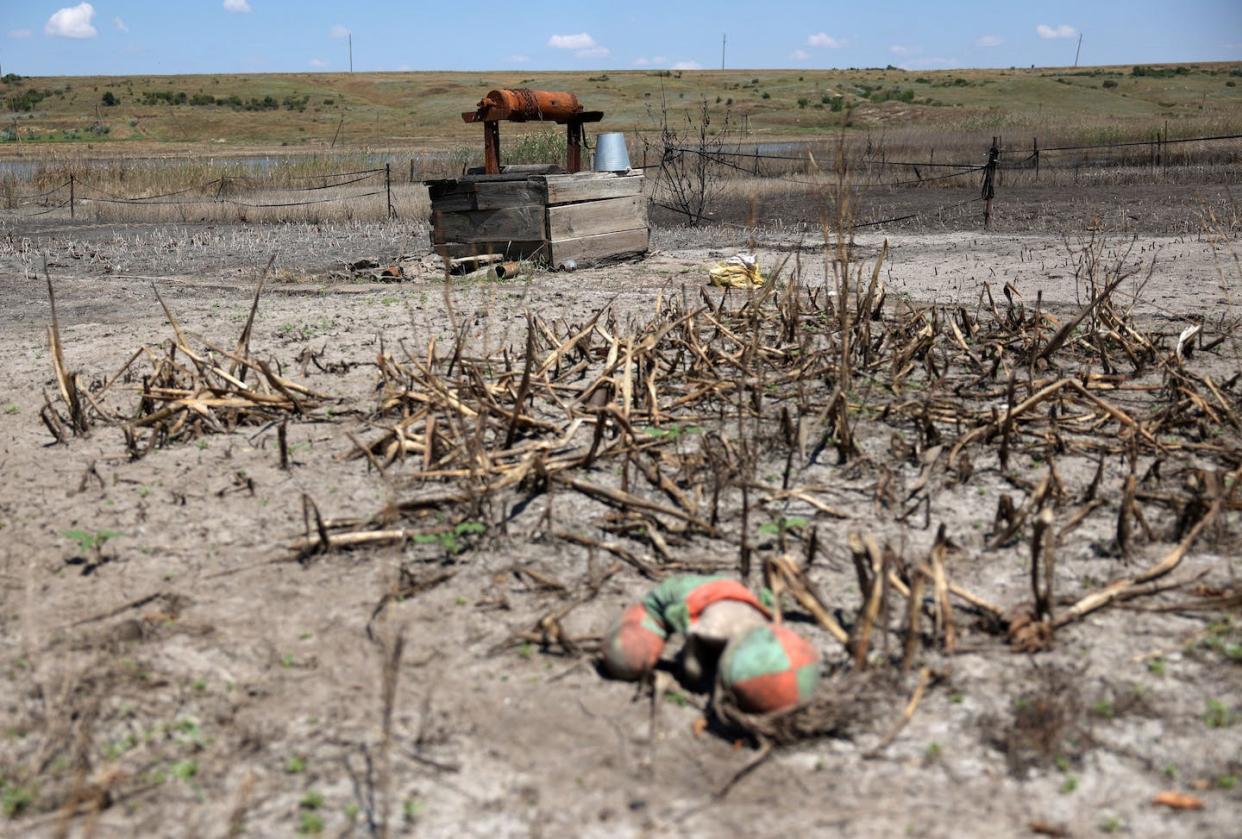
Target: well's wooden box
<point x="586" y="217"/>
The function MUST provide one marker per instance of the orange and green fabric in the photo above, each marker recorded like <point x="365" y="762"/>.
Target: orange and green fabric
<point x="770" y="668"/>
<point x="678" y="601"/>
<point x="634" y="643"/>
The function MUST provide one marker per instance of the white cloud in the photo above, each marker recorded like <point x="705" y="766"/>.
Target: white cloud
<point x="120" y="24"/>
<point x="237" y="6"/>
<point x="642" y="62"/>
<point x="318" y="63"/>
<point x="799" y="55"/>
<point x="1062" y="31"/>
<point x="72" y="22"/>
<point x="583" y="45"/>
<point x="989" y="41"/>
<point x="339" y="31"/>
<point x="581" y="41"/>
<point x="687" y="65"/>
<point x="519" y="58"/>
<point x="823" y="39"/>
<point x="20" y="33"/>
<point x="899" y="49"/>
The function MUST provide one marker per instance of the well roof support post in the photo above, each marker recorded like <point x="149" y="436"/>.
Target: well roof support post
<point x="491" y="147"/>
<point x="573" y="146"/>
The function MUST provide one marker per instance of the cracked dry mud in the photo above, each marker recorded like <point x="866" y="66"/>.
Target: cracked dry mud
<point x="187" y="678"/>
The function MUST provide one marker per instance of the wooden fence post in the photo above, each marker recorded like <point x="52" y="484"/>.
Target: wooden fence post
<point x="998" y="144"/>
<point x="1035" y="153"/>
<point x="71" y="181"/>
<point x="989" y="184"/>
<point x="411" y="170"/>
<point x="388" y="186"/>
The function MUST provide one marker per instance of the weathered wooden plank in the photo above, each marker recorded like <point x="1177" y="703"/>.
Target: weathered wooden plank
<point x="508" y="250"/>
<point x="585" y="250"/>
<point x="512" y="224"/>
<point x="497" y="196"/>
<point x="454" y="203"/>
<point x="590" y="218"/>
<point x="455" y="196"/>
<point x="563" y="190"/>
<point x="512" y="173"/>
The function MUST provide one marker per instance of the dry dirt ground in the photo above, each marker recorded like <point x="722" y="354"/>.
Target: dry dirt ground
<point x="218" y="688"/>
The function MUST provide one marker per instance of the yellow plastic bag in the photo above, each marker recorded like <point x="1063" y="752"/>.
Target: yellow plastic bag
<point x="741" y="271"/>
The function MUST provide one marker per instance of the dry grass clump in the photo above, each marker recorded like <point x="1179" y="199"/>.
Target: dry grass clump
<point x="711" y="395"/>
<point x="187" y="393"/>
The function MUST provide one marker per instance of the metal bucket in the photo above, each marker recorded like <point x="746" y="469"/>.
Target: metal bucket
<point x="611" y="154"/>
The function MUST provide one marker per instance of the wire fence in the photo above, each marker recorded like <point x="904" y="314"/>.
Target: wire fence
<point x="1154" y="153"/>
<point x="1155" y="146"/>
<point x="246" y="192"/>
<point x="80" y="191"/>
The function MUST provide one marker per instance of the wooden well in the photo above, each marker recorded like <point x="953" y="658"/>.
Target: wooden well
<point x="586" y="217"/>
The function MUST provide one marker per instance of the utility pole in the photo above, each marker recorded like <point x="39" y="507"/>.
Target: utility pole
<point x="351" y="53"/>
<point x="1079" y="50"/>
<point x="724" y="42"/>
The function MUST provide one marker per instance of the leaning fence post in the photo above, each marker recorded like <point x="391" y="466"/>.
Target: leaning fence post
<point x="1000" y="173"/>
<point x="388" y="186"/>
<point x="989" y="187"/>
<point x="71" y="195"/>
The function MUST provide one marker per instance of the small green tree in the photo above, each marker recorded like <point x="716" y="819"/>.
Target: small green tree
<point x="109" y="99"/>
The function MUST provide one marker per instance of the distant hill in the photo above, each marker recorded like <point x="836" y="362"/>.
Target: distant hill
<point x="307" y="111"/>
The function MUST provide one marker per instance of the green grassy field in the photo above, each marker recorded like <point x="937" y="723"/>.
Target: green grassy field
<point x="304" y="112"/>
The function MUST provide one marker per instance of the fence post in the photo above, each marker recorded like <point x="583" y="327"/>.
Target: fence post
<point x="71" y="181"/>
<point x="1000" y="173"/>
<point x="1035" y="153"/>
<point x="989" y="187"/>
<point x="388" y="186"/>
<point x="411" y="170"/>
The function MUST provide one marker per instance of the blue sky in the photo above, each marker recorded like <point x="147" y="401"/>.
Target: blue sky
<point x="231" y="36"/>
